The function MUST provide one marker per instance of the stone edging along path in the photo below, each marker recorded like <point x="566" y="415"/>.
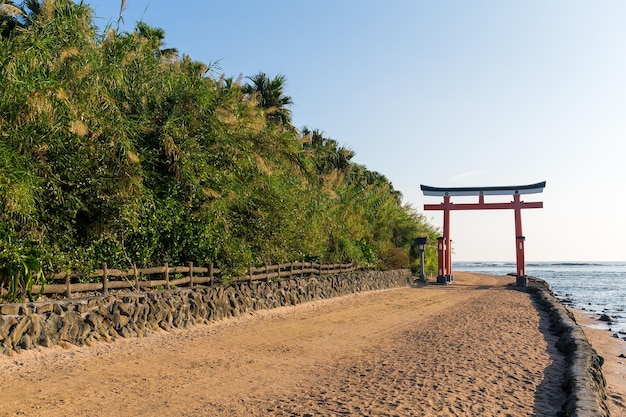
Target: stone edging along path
<point x="584" y="382"/>
<point x="104" y="318"/>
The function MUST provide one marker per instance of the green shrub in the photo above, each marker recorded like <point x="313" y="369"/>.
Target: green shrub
<point x="393" y="258"/>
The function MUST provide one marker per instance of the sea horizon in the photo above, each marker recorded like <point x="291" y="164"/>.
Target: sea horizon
<point x="542" y="262"/>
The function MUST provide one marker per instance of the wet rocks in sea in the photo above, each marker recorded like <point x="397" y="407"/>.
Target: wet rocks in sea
<point x="606" y="318"/>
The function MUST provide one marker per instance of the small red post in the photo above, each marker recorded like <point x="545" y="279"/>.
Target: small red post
<point x="521" y="269"/>
<point x="441" y="277"/>
<point x="449" y="276"/>
<point x="519" y="242"/>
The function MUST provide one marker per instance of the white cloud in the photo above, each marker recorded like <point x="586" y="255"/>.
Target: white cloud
<point x="471" y="174"/>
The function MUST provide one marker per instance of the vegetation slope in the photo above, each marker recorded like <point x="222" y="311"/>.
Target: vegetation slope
<point x="115" y="149"/>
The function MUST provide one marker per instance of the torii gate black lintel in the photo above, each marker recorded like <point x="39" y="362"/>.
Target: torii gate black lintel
<point x="444" y="247"/>
<point x="490" y="190"/>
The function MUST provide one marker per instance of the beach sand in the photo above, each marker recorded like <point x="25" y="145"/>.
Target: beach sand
<point x="476" y="347"/>
<point x="610" y="348"/>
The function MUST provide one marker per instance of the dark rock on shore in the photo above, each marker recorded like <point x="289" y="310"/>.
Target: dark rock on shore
<point x="606" y="318"/>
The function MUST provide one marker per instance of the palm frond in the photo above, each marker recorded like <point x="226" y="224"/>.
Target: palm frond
<point x="10" y="10"/>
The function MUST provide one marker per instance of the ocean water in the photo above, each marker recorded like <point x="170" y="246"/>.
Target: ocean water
<point x="598" y="287"/>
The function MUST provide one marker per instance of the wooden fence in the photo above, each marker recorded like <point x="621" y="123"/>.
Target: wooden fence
<point x="137" y="279"/>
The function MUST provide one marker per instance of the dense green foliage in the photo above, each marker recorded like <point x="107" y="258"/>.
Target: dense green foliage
<point x="114" y="149"/>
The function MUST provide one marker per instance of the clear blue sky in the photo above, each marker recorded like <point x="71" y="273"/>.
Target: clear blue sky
<point x="445" y="93"/>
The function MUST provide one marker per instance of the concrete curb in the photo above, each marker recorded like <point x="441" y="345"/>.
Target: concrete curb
<point x="584" y="382"/>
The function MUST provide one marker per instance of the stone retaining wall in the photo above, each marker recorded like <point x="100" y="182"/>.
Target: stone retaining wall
<point x="584" y="382"/>
<point x="104" y="318"/>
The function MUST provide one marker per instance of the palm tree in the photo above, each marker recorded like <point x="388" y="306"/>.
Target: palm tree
<point x="328" y="154"/>
<point x="10" y="16"/>
<point x="13" y="17"/>
<point x="271" y="97"/>
<point x="155" y="37"/>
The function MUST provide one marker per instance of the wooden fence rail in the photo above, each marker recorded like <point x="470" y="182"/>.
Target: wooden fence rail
<point x="137" y="279"/>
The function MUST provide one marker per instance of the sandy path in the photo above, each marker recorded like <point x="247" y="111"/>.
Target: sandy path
<point x="472" y="348"/>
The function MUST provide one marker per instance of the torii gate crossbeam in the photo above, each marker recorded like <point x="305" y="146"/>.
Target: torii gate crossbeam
<point x="445" y="249"/>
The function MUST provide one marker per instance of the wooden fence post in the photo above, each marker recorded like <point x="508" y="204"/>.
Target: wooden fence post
<point x="105" y="279"/>
<point x="167" y="276"/>
<point x="190" y="274"/>
<point x="267" y="273"/>
<point x="211" y="273"/>
<point x="291" y="270"/>
<point x="136" y="275"/>
<point x="68" y="285"/>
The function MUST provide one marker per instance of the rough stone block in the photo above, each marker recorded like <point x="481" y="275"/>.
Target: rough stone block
<point x="94" y="302"/>
<point x="45" y="341"/>
<point x="94" y="320"/>
<point x="44" y="308"/>
<point x="123" y="307"/>
<point x="52" y="325"/>
<point x="36" y="326"/>
<point x="19" y="329"/>
<point x="9" y="309"/>
<point x="6" y="324"/>
<point x="57" y="309"/>
<point x="26" y="309"/>
<point x="82" y="307"/>
<point x="25" y="342"/>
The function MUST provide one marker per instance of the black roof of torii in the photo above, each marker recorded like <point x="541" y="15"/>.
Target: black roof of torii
<point x="469" y="191"/>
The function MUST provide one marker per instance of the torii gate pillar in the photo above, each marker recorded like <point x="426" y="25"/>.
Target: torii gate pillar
<point x="519" y="243"/>
<point x="444" y="244"/>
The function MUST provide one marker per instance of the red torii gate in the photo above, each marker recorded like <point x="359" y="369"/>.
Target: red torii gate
<point x="444" y="244"/>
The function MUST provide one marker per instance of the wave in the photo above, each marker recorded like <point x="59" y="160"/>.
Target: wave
<point x="486" y="263"/>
